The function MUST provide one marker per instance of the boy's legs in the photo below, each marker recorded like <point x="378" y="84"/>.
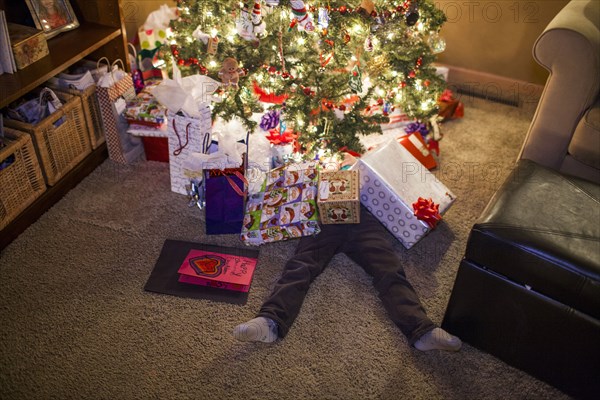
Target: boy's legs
<point x="311" y="257"/>
<point x="368" y="245"/>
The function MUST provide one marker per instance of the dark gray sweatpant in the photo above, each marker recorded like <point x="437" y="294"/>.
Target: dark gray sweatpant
<point x="367" y="244"/>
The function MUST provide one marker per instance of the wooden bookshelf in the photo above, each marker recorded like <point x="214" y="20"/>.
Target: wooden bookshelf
<point x="101" y="33"/>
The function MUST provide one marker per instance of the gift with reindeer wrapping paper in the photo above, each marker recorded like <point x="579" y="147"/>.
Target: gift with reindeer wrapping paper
<point x="286" y="206"/>
<point x="338" y="200"/>
<point x="401" y="193"/>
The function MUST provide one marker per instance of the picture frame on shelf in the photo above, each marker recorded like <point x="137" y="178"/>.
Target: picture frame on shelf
<point x="52" y="16"/>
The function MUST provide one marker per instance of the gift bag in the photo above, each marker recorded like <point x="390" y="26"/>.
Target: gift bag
<point x="114" y="89"/>
<point x="186" y="135"/>
<point x="225" y="197"/>
<point x="155" y="30"/>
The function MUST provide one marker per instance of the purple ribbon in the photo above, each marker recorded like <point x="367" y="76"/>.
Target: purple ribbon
<point x="270" y="120"/>
<point x="417" y="127"/>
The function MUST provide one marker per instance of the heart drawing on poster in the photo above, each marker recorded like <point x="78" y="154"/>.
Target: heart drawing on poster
<point x="207" y="265"/>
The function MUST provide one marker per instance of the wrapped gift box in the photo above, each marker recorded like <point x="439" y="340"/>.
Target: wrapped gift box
<point x="286" y="208"/>
<point x="415" y="144"/>
<point x="391" y="180"/>
<point x="219" y="270"/>
<point x="144" y="109"/>
<point x="338" y="199"/>
<point x="29" y="44"/>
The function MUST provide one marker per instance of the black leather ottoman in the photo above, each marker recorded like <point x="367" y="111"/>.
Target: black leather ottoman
<point x="528" y="288"/>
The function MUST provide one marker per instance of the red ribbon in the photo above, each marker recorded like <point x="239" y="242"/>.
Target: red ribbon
<point x="287" y="137"/>
<point x="447" y="96"/>
<point x="268" y="97"/>
<point x="427" y="211"/>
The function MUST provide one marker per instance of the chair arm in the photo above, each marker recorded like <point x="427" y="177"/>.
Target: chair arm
<point x="569" y="48"/>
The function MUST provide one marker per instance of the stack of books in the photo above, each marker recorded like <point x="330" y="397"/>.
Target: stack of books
<point x="7" y="59"/>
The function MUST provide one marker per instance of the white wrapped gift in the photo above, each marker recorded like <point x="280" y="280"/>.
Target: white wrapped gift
<point x="391" y="180"/>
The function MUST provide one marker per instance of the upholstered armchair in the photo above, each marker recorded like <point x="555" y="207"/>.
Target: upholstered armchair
<point x="565" y="132"/>
<point x="528" y="288"/>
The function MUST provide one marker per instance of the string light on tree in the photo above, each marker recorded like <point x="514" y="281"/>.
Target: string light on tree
<point x="331" y="60"/>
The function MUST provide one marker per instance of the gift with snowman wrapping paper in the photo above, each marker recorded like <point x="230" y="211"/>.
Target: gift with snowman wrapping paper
<point x="286" y="206"/>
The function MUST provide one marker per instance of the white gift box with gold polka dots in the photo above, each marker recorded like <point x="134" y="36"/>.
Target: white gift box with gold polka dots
<point x="391" y="180"/>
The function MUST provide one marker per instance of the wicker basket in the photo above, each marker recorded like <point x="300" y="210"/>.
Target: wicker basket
<point x="22" y="181"/>
<point x="60" y="148"/>
<point x="91" y="109"/>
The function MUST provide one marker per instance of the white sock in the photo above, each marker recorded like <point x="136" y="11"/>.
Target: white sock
<point x="259" y="329"/>
<point x="438" y="339"/>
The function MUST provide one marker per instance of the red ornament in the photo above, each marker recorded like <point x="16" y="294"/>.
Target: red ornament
<point x="412" y="74"/>
<point x="342" y="107"/>
<point x="180" y="61"/>
<point x="427" y="82"/>
<point x="343" y="9"/>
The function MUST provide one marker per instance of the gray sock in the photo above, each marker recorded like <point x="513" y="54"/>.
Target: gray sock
<point x="259" y="329"/>
<point x="438" y="339"/>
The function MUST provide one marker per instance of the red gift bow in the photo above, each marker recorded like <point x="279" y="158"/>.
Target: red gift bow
<point x="275" y="138"/>
<point x="426" y="210"/>
<point x="447" y="96"/>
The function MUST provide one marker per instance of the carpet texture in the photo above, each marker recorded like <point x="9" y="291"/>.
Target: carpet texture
<point x="75" y="322"/>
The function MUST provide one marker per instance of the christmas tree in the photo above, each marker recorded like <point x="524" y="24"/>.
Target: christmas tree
<point x="326" y="70"/>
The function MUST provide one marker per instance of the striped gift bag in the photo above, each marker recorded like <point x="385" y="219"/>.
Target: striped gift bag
<point x="113" y="91"/>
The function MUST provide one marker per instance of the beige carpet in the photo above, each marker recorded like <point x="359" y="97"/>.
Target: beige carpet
<point x="75" y="322"/>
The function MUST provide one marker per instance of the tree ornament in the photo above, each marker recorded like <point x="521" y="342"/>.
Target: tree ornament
<point x="212" y="45"/>
<point x="347" y="37"/>
<point x="436" y="42"/>
<point x="244" y="24"/>
<point x="323" y="20"/>
<point x="369" y="43"/>
<point x="412" y="15"/>
<point x="258" y="25"/>
<point x="305" y="21"/>
<point x="199" y="35"/>
<point x="230" y="73"/>
<point x="368" y="6"/>
<point x="250" y="25"/>
<point x="355" y="81"/>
